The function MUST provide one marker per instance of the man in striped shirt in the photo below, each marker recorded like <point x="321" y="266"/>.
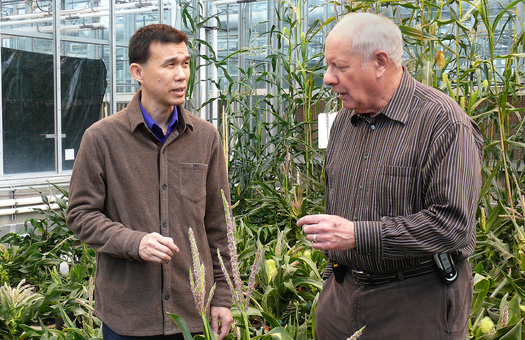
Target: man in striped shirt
<point x="403" y="175"/>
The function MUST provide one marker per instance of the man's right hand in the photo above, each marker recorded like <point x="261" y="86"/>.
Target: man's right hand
<point x="328" y="232"/>
<point x="156" y="248"/>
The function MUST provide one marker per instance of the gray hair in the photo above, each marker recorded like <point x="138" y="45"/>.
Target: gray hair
<point x="373" y="32"/>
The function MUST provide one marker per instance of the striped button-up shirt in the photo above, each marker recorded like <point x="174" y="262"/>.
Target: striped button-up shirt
<point x="409" y="178"/>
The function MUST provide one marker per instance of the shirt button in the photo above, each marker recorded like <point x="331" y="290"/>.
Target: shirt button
<point x="373" y="127"/>
<point x="195" y="166"/>
<point x="360" y="187"/>
<point x="164" y="187"/>
<point x="165" y="224"/>
<point x="366" y="156"/>
<point x="355" y="218"/>
<point x="167" y="297"/>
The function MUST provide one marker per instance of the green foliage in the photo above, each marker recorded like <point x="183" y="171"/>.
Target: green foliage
<point x="289" y="279"/>
<point x="17" y="306"/>
<point x="277" y="175"/>
<point x="71" y="330"/>
<point x="277" y="171"/>
<point x="34" y="290"/>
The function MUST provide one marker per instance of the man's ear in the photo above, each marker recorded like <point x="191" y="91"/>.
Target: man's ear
<point x="382" y="61"/>
<point x="136" y="72"/>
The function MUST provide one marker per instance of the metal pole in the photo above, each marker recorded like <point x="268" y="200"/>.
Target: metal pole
<point x="214" y="72"/>
<point x="161" y="11"/>
<point x="519" y="21"/>
<point x="112" y="58"/>
<point x="75" y="12"/>
<point x="57" y="87"/>
<point x="202" y="71"/>
<point x="174" y="15"/>
<point x="1" y="107"/>
<point x="80" y="16"/>
<point x="241" y="43"/>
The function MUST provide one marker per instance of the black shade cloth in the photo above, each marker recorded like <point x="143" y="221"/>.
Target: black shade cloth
<point x="28" y="107"/>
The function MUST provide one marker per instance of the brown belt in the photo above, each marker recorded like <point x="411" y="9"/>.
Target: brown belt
<point x="368" y="279"/>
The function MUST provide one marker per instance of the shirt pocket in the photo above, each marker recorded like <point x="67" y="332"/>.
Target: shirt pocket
<point x="193" y="181"/>
<point x="394" y="190"/>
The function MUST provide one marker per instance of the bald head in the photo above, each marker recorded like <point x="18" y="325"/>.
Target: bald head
<point x="367" y="33"/>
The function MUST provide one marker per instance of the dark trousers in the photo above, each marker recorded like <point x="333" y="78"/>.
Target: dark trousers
<point x="108" y="334"/>
<point x="418" y="308"/>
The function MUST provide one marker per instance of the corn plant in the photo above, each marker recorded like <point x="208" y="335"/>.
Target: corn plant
<point x="201" y="296"/>
<point x="277" y="173"/>
<point x="276" y="170"/>
<point x="18" y="305"/>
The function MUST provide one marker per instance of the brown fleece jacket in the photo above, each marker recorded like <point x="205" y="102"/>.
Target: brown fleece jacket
<point x="126" y="184"/>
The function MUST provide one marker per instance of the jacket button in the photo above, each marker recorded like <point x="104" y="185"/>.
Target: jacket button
<point x="165" y="224"/>
<point x="195" y="166"/>
<point x="164" y="187"/>
<point x="167" y="297"/>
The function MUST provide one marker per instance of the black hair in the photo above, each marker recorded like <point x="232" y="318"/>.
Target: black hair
<point x="140" y="42"/>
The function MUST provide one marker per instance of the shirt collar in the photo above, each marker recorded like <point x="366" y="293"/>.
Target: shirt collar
<point x="154" y="127"/>
<point x="136" y="119"/>
<point x="397" y="107"/>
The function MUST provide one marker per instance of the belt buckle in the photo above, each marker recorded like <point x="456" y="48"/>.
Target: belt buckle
<point x="362" y="278"/>
<point x="370" y="279"/>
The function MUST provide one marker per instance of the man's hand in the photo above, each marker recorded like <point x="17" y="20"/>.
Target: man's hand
<point x="156" y="248"/>
<point x="221" y="321"/>
<point x="328" y="232"/>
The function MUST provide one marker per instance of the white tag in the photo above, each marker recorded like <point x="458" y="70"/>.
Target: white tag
<point x="70" y="154"/>
<point x="325" y="121"/>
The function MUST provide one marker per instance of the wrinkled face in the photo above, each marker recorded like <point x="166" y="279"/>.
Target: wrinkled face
<point x="166" y="73"/>
<point x="346" y="76"/>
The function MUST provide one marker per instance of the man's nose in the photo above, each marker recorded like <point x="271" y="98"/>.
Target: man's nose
<point x="180" y="73"/>
<point x="329" y="79"/>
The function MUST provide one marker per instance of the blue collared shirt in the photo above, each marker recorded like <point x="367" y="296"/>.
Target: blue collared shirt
<point x="155" y="128"/>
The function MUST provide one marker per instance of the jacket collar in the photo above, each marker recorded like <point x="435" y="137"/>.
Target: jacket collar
<point x="136" y="119"/>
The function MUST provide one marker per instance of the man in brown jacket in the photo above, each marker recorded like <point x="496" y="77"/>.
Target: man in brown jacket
<point x="141" y="179"/>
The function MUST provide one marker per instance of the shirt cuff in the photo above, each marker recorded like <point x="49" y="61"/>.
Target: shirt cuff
<point x="368" y="240"/>
<point x="132" y="246"/>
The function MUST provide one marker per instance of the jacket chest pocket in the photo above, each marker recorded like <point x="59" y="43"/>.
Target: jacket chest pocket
<point x="395" y="190"/>
<point x="193" y="181"/>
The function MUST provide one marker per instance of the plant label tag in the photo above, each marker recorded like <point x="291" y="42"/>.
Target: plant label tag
<point x="70" y="154"/>
<point x="325" y="121"/>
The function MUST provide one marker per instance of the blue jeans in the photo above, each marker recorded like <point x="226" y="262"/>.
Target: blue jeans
<point x="108" y="334"/>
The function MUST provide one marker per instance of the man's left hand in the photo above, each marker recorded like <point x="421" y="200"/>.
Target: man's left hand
<point x="328" y="232"/>
<point x="221" y="321"/>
